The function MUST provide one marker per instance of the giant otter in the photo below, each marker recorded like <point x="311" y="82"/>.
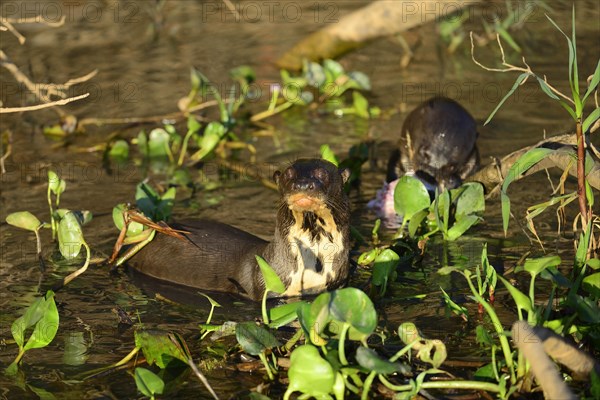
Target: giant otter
<point x="437" y="144"/>
<point x="309" y="250"/>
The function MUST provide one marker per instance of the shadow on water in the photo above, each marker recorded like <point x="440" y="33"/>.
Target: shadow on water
<point x="143" y="53"/>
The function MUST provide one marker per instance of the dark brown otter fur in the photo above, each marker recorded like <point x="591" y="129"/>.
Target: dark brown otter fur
<point x="309" y="251"/>
<point x="437" y="144"/>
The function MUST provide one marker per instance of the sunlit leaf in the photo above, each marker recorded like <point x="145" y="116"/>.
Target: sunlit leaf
<point x="309" y="373"/>
<point x="147" y="382"/>
<point x="272" y="281"/>
<point x="410" y="197"/>
<point x="70" y="236"/>
<point x="23" y="220"/>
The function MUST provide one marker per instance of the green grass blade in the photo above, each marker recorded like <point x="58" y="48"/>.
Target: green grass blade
<point x="520" y="79"/>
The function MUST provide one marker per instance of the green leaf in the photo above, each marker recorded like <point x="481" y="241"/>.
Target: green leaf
<point x="272" y="281"/>
<point x="525" y="162"/>
<point x="284" y="314"/>
<point x="410" y="197"/>
<point x="119" y="149"/>
<point x="361" y="105"/>
<point x="134" y="228"/>
<point x="517" y="83"/>
<point x="315" y="317"/>
<point x="333" y="70"/>
<point x="536" y="265"/>
<point x="461" y="226"/>
<point x="590" y="119"/>
<point x="70" y="236"/>
<point x="415" y="222"/>
<point x="360" y="80"/>
<point x="593" y="263"/>
<point x="591" y="284"/>
<point x="369" y="359"/>
<point x="546" y="89"/>
<point x="160" y="347"/>
<point x="214" y="132"/>
<point x="309" y="373"/>
<point x="384" y="268"/>
<point x="483" y="336"/>
<point x="254" y="338"/>
<point x="593" y="83"/>
<point x="470" y="201"/>
<point x="455" y="308"/>
<point x="55" y="184"/>
<point x="42" y="314"/>
<point x="23" y="220"/>
<point x="148" y="383"/>
<point x="314" y="74"/>
<point x="523" y="302"/>
<point x="158" y="143"/>
<point x="243" y="73"/>
<point x="353" y="306"/>
<point x="328" y="154"/>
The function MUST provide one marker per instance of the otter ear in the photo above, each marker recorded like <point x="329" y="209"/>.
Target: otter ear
<point x="276" y="176"/>
<point x="345" y="173"/>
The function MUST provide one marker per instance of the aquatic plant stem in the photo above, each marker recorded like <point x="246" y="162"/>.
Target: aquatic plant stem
<point x="498" y="327"/>
<point x="265" y="315"/>
<point x="583" y="209"/>
<point x="268" y="113"/>
<point x="81" y="270"/>
<point x="342" y="342"/>
<point x="267" y="366"/>
<point x="466" y="385"/>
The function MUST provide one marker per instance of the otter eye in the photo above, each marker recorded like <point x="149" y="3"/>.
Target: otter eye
<point x="321" y="175"/>
<point x="289" y="173"/>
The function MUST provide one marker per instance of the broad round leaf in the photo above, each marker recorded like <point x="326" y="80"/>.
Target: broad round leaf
<point x="158" y="143"/>
<point x="46" y="326"/>
<point x="410" y="197"/>
<point x="23" y="220"/>
<point x="471" y="200"/>
<point x="369" y="359"/>
<point x="70" y="236"/>
<point x="309" y="373"/>
<point x="354" y="307"/>
<point x="536" y="265"/>
<point x="384" y="267"/>
<point x="148" y="382"/>
<point x="254" y="339"/>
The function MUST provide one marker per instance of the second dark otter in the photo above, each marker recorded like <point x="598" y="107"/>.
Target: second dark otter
<point x="309" y="251"/>
<point x="437" y="144"/>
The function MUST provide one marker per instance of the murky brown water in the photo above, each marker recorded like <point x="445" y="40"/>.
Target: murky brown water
<point x="143" y="54"/>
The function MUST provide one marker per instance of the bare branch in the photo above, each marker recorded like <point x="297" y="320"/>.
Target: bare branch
<point x="61" y="102"/>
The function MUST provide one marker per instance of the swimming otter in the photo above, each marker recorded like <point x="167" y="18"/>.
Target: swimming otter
<point x="437" y="145"/>
<point x="309" y="251"/>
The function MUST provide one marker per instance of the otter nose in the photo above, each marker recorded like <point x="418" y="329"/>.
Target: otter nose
<point x="304" y="185"/>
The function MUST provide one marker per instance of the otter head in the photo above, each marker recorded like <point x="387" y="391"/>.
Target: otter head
<point x="309" y="185"/>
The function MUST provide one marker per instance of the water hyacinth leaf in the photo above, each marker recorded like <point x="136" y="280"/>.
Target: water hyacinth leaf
<point x="471" y="200"/>
<point x="354" y="307"/>
<point x="359" y="80"/>
<point x="536" y="265"/>
<point x="525" y="162"/>
<point x="368" y="257"/>
<point x="213" y="134"/>
<point x="333" y="70"/>
<point x="369" y="359"/>
<point x="255" y="339"/>
<point x="361" y="105"/>
<point x="148" y="383"/>
<point x="70" y="236"/>
<point x="284" y="314"/>
<point x="23" y="220"/>
<point x="134" y="228"/>
<point x="416" y="221"/>
<point x="243" y="73"/>
<point x="158" y="143"/>
<point x="314" y="318"/>
<point x="408" y="333"/>
<point x="410" y="197"/>
<point x="384" y="267"/>
<point x="432" y="352"/>
<point x="314" y="74"/>
<point x="310" y="374"/>
<point x="591" y="284"/>
<point x="522" y="301"/>
<point x="272" y="281"/>
<point x="159" y="348"/>
<point x="461" y="226"/>
<point x="119" y="149"/>
<point x="55" y="184"/>
<point x="328" y="154"/>
<point x="42" y="314"/>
